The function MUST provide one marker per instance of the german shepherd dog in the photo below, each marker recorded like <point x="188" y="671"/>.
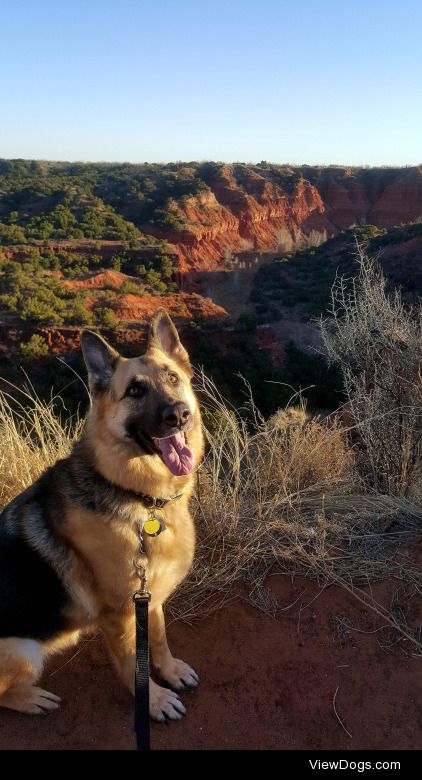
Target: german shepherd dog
<point x="68" y="542"/>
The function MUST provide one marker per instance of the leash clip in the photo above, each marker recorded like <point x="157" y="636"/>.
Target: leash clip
<point x="141" y="595"/>
<point x="141" y="572"/>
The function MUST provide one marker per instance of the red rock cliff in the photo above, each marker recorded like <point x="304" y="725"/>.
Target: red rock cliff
<point x="250" y="208"/>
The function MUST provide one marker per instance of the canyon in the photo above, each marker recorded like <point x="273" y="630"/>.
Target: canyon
<point x="103" y="245"/>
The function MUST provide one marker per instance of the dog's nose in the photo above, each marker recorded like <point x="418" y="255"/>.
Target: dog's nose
<point x="176" y="415"/>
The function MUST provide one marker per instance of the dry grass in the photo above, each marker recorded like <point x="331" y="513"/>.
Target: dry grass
<point x="304" y="451"/>
<point x="32" y="437"/>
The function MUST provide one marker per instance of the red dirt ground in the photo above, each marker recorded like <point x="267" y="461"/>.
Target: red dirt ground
<point x="265" y="683"/>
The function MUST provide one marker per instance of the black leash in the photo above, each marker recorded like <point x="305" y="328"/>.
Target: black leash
<point x="141" y="599"/>
<point x="152" y="526"/>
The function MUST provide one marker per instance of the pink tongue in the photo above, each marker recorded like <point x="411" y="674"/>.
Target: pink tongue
<point x="176" y="454"/>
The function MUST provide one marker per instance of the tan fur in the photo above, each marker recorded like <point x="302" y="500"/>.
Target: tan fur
<point x="102" y="577"/>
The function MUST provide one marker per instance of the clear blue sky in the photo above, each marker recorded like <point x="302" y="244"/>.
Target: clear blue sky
<point x="300" y="81"/>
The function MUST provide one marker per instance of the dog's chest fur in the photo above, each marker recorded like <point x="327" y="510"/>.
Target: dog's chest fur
<point x="109" y="546"/>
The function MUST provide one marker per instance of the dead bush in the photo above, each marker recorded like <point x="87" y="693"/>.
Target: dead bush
<point x="377" y="342"/>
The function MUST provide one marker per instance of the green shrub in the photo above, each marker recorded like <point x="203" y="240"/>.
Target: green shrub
<point x="41" y="312"/>
<point x="106" y="318"/>
<point x="80" y="315"/>
<point x="129" y="287"/>
<point x="35" y="348"/>
<point x="12" y="234"/>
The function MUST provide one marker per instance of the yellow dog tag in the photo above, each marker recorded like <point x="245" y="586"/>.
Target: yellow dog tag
<point x="153" y="526"/>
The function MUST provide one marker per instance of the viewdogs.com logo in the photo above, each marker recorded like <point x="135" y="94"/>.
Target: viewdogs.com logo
<point x="359" y="766"/>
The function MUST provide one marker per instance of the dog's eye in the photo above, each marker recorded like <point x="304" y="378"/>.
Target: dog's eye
<point x="173" y="378"/>
<point x="136" y="390"/>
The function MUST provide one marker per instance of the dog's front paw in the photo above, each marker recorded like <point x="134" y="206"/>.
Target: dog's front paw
<point x="164" y="704"/>
<point x="30" y="699"/>
<point x="179" y="675"/>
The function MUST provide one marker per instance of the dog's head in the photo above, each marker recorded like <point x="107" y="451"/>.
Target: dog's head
<point x="146" y="402"/>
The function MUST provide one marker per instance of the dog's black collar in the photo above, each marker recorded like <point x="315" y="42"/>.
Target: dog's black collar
<point x="149" y="502"/>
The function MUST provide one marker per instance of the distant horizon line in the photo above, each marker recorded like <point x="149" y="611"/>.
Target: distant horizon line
<point x="210" y="160"/>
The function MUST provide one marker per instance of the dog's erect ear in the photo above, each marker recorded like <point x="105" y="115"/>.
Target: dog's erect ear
<point x="163" y="335"/>
<point x="100" y="360"/>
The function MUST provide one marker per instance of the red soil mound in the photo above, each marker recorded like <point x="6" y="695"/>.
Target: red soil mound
<point x="101" y="280"/>
<point x="183" y="307"/>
